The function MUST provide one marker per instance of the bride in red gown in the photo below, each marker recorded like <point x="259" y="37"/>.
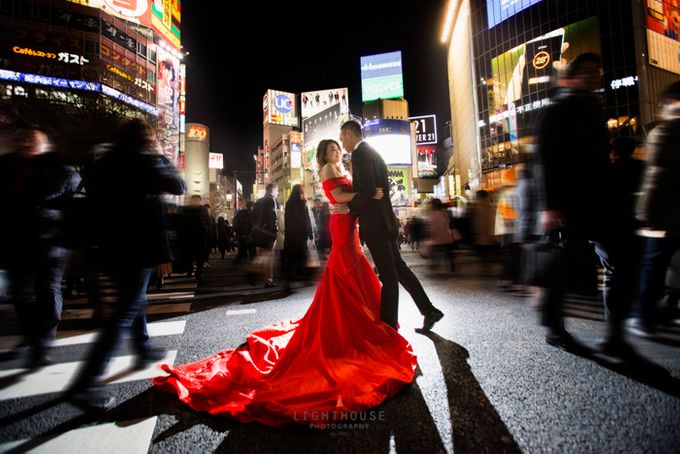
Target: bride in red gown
<point x="339" y="358"/>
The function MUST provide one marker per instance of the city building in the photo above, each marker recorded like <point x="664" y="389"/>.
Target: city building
<point x="78" y="67"/>
<point x="518" y="48"/>
<point x="197" y="161"/>
<point x="280" y="117"/>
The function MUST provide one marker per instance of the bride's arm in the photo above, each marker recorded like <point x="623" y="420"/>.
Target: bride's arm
<point x="341" y="196"/>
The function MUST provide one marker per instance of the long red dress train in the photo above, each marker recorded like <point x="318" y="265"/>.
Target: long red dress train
<point x="338" y="359"/>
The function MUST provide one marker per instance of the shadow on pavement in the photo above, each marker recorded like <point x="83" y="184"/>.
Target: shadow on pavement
<point x="475" y="423"/>
<point x="644" y="371"/>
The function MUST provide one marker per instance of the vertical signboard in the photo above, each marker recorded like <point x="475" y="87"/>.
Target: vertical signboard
<point x="295" y="140"/>
<point x="168" y="103"/>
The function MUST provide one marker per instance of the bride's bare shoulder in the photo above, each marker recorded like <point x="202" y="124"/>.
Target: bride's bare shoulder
<point x="329" y="171"/>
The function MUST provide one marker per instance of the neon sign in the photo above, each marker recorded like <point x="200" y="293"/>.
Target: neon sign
<point x="198" y="132"/>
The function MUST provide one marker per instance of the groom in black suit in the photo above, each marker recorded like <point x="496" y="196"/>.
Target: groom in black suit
<point x="378" y="228"/>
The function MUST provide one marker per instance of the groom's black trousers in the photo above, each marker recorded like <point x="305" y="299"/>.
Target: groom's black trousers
<point x="392" y="271"/>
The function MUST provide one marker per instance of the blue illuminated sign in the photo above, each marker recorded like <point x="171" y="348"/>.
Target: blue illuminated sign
<point x="76" y="85"/>
<point x="499" y="10"/>
<point x="48" y="81"/>
<point x="283" y="103"/>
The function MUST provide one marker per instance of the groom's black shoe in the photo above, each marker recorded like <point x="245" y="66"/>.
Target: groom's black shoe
<point x="430" y="319"/>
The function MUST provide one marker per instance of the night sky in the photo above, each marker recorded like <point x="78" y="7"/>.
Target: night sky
<point x="304" y="49"/>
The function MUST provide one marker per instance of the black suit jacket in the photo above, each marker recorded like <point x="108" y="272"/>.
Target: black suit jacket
<point x="369" y="171"/>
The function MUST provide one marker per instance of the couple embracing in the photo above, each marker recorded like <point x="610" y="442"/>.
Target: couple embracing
<point x="344" y="355"/>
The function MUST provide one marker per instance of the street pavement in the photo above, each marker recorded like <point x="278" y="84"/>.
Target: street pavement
<point x="486" y="380"/>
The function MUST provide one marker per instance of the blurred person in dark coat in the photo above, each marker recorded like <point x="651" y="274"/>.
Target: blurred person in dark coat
<point x="264" y="216"/>
<point x="243" y="227"/>
<point x="126" y="188"/>
<point x="657" y="210"/>
<point x="572" y="139"/>
<point x="298" y="229"/>
<point x="225" y="234"/>
<point x="34" y="183"/>
<point x="325" y="241"/>
<point x="196" y="235"/>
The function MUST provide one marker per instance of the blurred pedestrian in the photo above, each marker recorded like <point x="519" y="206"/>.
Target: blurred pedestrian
<point x="298" y="230"/>
<point x="572" y="134"/>
<point x="441" y="238"/>
<point x="325" y="241"/>
<point x="264" y="218"/>
<point x="243" y="227"/>
<point x="657" y="211"/>
<point x="482" y="212"/>
<point x="225" y="234"/>
<point x="34" y="183"/>
<point x="196" y="236"/>
<point x="126" y="185"/>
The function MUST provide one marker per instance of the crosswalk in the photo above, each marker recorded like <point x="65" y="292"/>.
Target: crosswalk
<point x="76" y="333"/>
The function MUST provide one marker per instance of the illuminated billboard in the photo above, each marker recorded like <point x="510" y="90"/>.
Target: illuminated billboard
<point x="198" y="132"/>
<point x="427" y="160"/>
<point x="499" y="10"/>
<point x="391" y="139"/>
<point x="167" y="85"/>
<point x="313" y="102"/>
<point x="215" y="161"/>
<point x="521" y="77"/>
<point x="663" y="38"/>
<point x="400" y="185"/>
<point x="295" y="142"/>
<point x="426" y="129"/>
<point x="381" y="77"/>
<point x="324" y="125"/>
<point x="280" y="108"/>
<point x="163" y="16"/>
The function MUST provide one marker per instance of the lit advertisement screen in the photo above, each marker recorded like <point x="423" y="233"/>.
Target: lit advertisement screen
<point x="324" y="125"/>
<point x="400" y="185"/>
<point x="381" y="77"/>
<point x="522" y="76"/>
<point x="167" y="87"/>
<point x="391" y="139"/>
<point x="313" y="102"/>
<point x="427" y="160"/>
<point x="663" y="33"/>
<point x="499" y="10"/>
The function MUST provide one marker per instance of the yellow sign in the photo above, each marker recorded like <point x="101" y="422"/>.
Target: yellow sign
<point x="541" y="60"/>
<point x="197" y="132"/>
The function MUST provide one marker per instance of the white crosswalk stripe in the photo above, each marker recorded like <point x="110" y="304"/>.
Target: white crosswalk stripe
<point x="57" y="377"/>
<point x="130" y="437"/>
<point x="64" y="338"/>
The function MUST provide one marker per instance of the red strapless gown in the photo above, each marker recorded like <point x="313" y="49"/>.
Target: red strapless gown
<point x="339" y="358"/>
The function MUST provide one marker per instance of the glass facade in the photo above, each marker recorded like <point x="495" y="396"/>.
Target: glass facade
<point x="516" y="62"/>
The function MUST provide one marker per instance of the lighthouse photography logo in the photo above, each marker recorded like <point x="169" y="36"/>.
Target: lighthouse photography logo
<point x="339" y="420"/>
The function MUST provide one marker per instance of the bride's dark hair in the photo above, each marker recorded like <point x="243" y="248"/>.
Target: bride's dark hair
<point x="321" y="152"/>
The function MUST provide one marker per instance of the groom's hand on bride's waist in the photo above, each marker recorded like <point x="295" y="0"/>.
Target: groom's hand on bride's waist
<point x="340" y="208"/>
